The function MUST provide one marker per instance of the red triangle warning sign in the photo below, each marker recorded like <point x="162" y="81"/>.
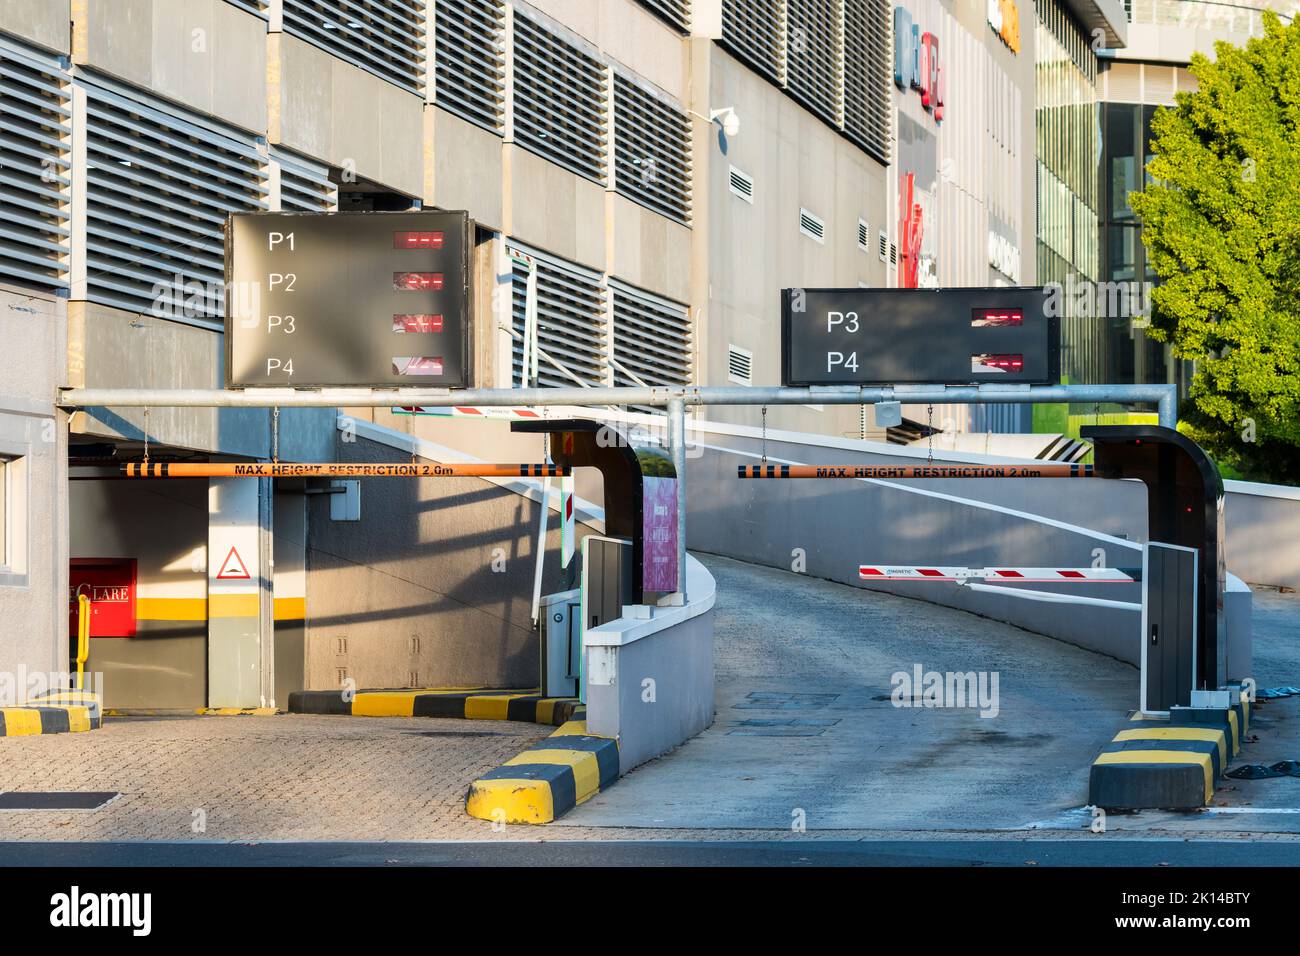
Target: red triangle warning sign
<point x="233" y="567"/>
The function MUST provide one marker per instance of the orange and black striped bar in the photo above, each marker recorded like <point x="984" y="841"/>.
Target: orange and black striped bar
<point x="336" y="470"/>
<point x="915" y="471"/>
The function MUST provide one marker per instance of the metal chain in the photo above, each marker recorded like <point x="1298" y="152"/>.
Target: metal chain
<point x="929" y="428"/>
<point x="146" y="434"/>
<point x="764" y="436"/>
<point x="275" y="435"/>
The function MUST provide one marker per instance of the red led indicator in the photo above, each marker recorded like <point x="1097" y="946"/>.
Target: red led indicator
<point x="417" y="240"/>
<point x="996" y="318"/>
<point x="417" y="323"/>
<point x="417" y="365"/>
<point x="997" y="363"/>
<point x="417" y="281"/>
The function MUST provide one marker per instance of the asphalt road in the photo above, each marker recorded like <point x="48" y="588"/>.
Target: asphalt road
<point x="1100" y="851"/>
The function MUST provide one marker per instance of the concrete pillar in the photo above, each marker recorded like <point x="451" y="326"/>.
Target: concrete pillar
<point x="240" y="626"/>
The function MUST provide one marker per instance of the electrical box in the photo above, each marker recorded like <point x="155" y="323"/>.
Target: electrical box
<point x="109" y="583"/>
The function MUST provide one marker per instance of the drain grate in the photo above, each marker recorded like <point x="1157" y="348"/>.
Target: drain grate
<point x="790" y="727"/>
<point x="54" y="800"/>
<point x="768" y="700"/>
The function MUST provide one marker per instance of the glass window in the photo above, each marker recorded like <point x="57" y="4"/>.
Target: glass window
<point x="1121" y="158"/>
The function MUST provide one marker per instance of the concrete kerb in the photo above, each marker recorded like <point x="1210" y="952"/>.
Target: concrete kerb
<point x="54" y="712"/>
<point x="548" y="779"/>
<point x="467" y="704"/>
<point x="539" y="785"/>
<point x="1168" y="763"/>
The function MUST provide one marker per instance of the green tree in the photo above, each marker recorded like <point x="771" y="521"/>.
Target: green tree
<point x="1221" y="222"/>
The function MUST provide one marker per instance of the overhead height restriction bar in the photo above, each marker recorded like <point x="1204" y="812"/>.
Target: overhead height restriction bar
<point x="915" y="471"/>
<point x="262" y="469"/>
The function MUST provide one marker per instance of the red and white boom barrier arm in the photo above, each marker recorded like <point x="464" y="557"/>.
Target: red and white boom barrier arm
<point x="896" y="572"/>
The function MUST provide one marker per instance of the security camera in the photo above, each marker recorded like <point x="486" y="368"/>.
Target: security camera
<point x="728" y="119"/>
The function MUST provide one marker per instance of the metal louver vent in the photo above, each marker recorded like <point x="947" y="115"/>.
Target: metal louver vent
<point x="470" y="63"/>
<point x="864" y="236"/>
<point x="884" y="246"/>
<point x="570" y="320"/>
<point x="672" y="12"/>
<point x="384" y="37"/>
<point x="559" y="100"/>
<point x="305" y="184"/>
<point x="652" y="338"/>
<point x="35" y="160"/>
<point x="740" y="365"/>
<point x="742" y="184"/>
<point x="867" y="54"/>
<point x="158" y="189"/>
<point x="652" y="151"/>
<point x="812" y="225"/>
<point x="812" y="54"/>
<point x="255" y="7"/>
<point x="752" y="30"/>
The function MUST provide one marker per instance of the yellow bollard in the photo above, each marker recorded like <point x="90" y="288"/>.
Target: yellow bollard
<point x="83" y="637"/>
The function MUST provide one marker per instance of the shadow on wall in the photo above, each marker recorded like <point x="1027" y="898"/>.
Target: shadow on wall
<point x="828" y="528"/>
<point x="432" y="587"/>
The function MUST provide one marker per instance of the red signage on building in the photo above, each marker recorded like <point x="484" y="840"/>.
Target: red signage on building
<point x="110" y="585"/>
<point x="910" y="230"/>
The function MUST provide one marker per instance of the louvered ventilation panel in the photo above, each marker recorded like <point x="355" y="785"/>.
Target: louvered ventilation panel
<point x="469" y="60"/>
<point x="652" y="151"/>
<point x="742" y="184"/>
<point x="255" y="7"/>
<point x="570" y="321"/>
<point x="751" y="29"/>
<point x="559" y="105"/>
<point x="812" y="225"/>
<point x="864" y="236"/>
<point x="305" y="184"/>
<point x="652" y="338"/>
<point x="812" y="53"/>
<point x="740" y="365"/>
<point x="35" y="161"/>
<point x="384" y="37"/>
<point x="672" y="12"/>
<point x="159" y="188"/>
<point x="867" y="83"/>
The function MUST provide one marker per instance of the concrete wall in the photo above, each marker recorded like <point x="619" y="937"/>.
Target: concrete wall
<point x="207" y="54"/>
<point x="1263" y="533"/>
<point x="328" y="108"/>
<point x="746" y="253"/>
<point x="650" y="680"/>
<point x="163" y="525"/>
<point x="33" y="442"/>
<point x="828" y="528"/>
<point x="111" y="348"/>
<point x="433" y="587"/>
<point x="43" y="22"/>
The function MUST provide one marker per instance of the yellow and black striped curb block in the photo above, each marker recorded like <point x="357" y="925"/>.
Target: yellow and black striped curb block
<point x="1160" y="766"/>
<point x="548" y="779"/>
<point x="30" y="719"/>
<point x="472" y="704"/>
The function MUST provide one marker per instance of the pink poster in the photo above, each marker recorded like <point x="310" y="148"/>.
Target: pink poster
<point x="659" y="534"/>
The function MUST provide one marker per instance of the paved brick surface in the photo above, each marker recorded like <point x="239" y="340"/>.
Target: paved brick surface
<point x="288" y="777"/>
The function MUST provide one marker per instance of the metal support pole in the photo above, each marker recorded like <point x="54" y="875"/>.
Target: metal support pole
<point x="677" y="448"/>
<point x="1163" y="396"/>
<point x="541" y="551"/>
